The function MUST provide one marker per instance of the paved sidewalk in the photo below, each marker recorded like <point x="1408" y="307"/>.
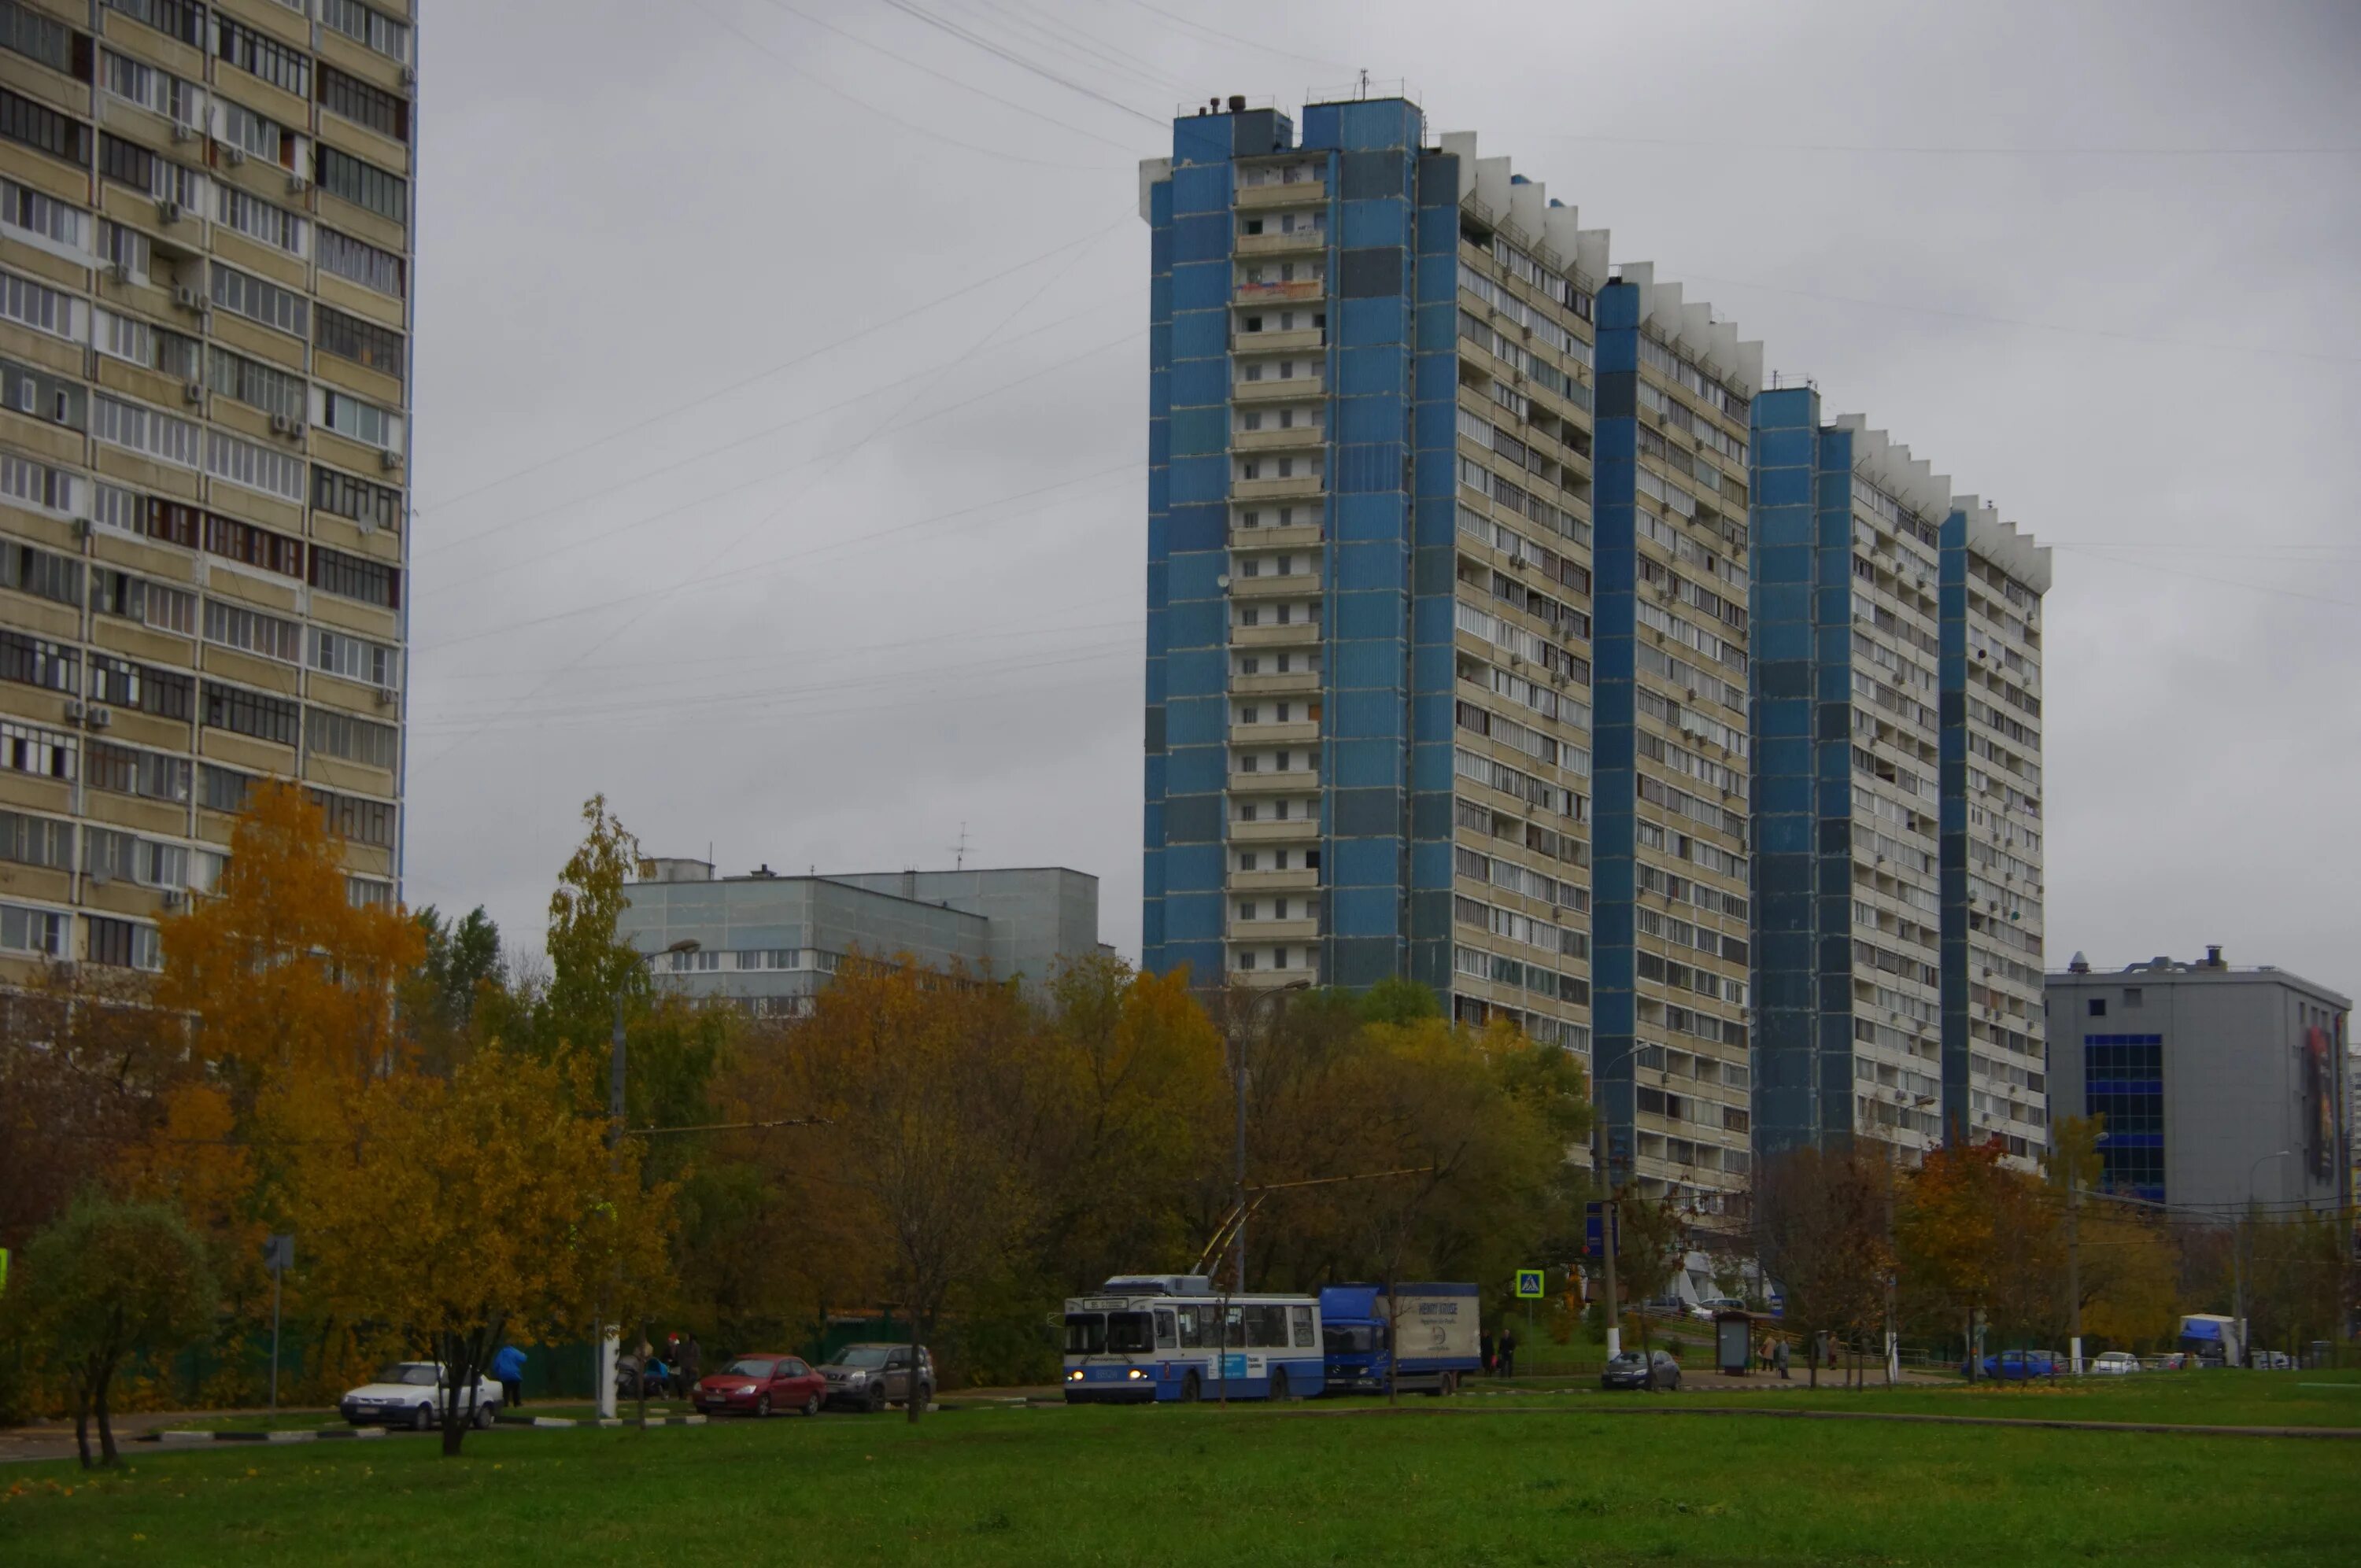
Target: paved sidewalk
<point x="55" y="1440"/>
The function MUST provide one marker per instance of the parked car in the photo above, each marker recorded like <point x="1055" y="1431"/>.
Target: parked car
<point x="409" y="1394"/>
<point x="1713" y="1304"/>
<point x="2016" y="1365"/>
<point x="758" y="1385"/>
<point x="871" y="1376"/>
<point x="2114" y="1362"/>
<point x="2272" y="1361"/>
<point x="1632" y="1369"/>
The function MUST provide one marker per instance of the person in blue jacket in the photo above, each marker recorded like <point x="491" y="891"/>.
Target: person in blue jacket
<point x="508" y="1370"/>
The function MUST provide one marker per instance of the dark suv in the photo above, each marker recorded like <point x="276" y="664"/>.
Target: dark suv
<point x="871" y="1376"/>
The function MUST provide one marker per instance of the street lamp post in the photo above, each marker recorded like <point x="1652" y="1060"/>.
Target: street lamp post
<point x="609" y="1340"/>
<point x="2241" y="1242"/>
<point x="1238" y="1061"/>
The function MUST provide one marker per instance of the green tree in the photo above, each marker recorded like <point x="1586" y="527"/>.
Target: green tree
<point x="462" y="957"/>
<point x="1652" y="1239"/>
<point x="589" y="966"/>
<point x="108" y="1280"/>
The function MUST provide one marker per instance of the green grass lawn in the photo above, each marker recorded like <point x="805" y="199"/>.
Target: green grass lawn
<point x="1509" y="1482"/>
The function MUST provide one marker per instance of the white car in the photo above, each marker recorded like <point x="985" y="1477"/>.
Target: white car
<point x="409" y="1394"/>
<point x="2114" y="1362"/>
<point x="1712" y="1304"/>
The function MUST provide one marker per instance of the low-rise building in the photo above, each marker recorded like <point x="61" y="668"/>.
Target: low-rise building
<point x="769" y="942"/>
<point x="2219" y="1086"/>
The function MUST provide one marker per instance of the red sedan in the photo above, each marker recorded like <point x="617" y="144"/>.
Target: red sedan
<point x="757" y="1385"/>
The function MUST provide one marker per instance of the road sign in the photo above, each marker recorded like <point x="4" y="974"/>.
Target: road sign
<point x="278" y="1254"/>
<point x="1600" y="1220"/>
<point x="1529" y="1284"/>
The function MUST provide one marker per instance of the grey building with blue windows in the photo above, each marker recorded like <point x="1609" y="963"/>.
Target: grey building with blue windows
<point x="1447" y="611"/>
<point x="1898" y="817"/>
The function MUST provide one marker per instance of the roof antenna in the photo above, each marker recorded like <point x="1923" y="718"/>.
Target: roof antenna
<point x="959" y="854"/>
<point x="1365" y="82"/>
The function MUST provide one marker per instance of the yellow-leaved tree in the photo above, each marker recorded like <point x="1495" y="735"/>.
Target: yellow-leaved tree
<point x="466" y="1211"/>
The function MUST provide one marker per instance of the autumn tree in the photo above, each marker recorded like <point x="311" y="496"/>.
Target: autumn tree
<point x="2119" y="1284"/>
<point x="1820" y="1221"/>
<point x="108" y="1280"/>
<point x="1653" y="1238"/>
<point x="1978" y="1239"/>
<point x="589" y="966"/>
<point x="484" y="1207"/>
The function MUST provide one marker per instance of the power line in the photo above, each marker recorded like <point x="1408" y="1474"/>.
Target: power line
<point x="2211" y="580"/>
<point x="1233" y="38"/>
<point x="979" y="41"/>
<point x="1955" y="151"/>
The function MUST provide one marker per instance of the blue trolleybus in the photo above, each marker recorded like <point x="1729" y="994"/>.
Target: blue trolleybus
<point x="1144" y="1338"/>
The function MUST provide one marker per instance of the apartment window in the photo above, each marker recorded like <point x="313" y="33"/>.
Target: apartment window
<point x="257" y="301"/>
<point x="257" y="135"/>
<point x="259" y="54"/>
<point x="38" y="931"/>
<point x="357" y="262"/>
<point x="364" y="184"/>
<point x="36" y="37"/>
<point x="181" y="19"/>
<point x="26" y="209"/>
<point x="151" y="604"/>
<point x="2098" y="1007"/>
<point x="174" y="522"/>
<point x="225" y="789"/>
<point x="40" y="573"/>
<point x="43" y="129"/>
<point x="370" y="505"/>
<point x="44" y="396"/>
<point x="127" y="163"/>
<point x="362" y="893"/>
<point x="149" y="432"/>
<point x="363" y="343"/>
<point x="38" y="662"/>
<point x="356" y="21"/>
<point x="42" y="308"/>
<point x="356" y="421"/>
<point x="151" y="347"/>
<point x="244" y="712"/>
<point x="371" y="582"/>
<point x="255" y="466"/>
<point x="126" y="248"/>
<point x="38" y="486"/>
<point x="333" y="734"/>
<point x="353" y="658"/>
<point x="141" y="687"/>
<point x="254" y="546"/>
<point x="363" y="105"/>
<point x="252" y="632"/>
<point x="358" y="819"/>
<point x="160" y="92"/>
<point x="29" y="749"/>
<point x="121" y="944"/>
<point x="254" y="383"/>
<point x="34" y="840"/>
<point x="258" y="219"/>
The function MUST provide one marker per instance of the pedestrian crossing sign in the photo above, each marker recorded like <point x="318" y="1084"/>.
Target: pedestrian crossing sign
<point x="1529" y="1284"/>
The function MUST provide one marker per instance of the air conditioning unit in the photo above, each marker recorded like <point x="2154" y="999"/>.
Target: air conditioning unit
<point x="233" y="156"/>
<point x="81" y="528"/>
<point x="389" y="460"/>
<point x="280" y="424"/>
<point x="99" y="877"/>
<point x="194" y="392"/>
<point x="118" y="273"/>
<point x="74" y="710"/>
<point x="168" y="212"/>
<point x="175" y="899"/>
<point x="182" y="131"/>
<point x="187" y="298"/>
<point x="386" y="696"/>
<point x="410" y="76"/>
<point x="297" y="184"/>
<point x="100" y="718"/>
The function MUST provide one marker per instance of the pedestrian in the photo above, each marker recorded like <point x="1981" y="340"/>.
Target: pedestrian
<point x="1779" y="1357"/>
<point x="1507" y="1352"/>
<point x="508" y="1370"/>
<point x="1483" y="1351"/>
<point x="689" y="1362"/>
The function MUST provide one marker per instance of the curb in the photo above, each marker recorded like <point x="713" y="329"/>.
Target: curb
<point x="1919" y="1418"/>
<point x="324" y="1434"/>
<point x="595" y="1422"/>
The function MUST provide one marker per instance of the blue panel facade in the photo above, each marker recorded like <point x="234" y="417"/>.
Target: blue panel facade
<point x="1615" y="460"/>
<point x="1951" y="597"/>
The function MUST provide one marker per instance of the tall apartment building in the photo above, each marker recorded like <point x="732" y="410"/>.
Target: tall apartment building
<point x="1446" y="648"/>
<point x="205" y="241"/>
<point x="1897" y="688"/>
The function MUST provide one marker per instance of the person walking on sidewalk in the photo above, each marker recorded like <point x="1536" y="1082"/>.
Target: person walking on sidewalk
<point x="1507" y="1352"/>
<point x="508" y="1371"/>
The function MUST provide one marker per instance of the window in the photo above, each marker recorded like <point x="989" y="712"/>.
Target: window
<point x="255" y="466"/>
<point x="164" y="693"/>
<point x="257" y="301"/>
<point x="362" y="893"/>
<point x="254" y="383"/>
<point x="2098" y="1007"/>
<point x="45" y="218"/>
<point x="34" y="840"/>
<point x="38" y="486"/>
<point x="372" y="582"/>
<point x="40" y="573"/>
<point x="355" y="20"/>
<point x="363" y="105"/>
<point x="258" y="219"/>
<point x="256" y="547"/>
<point x="146" y="345"/>
<point x="254" y="632"/>
<point x="151" y="604"/>
<point x="370" y="505"/>
<point x="44" y="396"/>
<point x="159" y="91"/>
<point x="29" y="749"/>
<point x="38" y="662"/>
<point x="225" y="788"/>
<point x="126" y="248"/>
<point x="120" y="943"/>
<point x="43" y="129"/>
<point x="39" y="931"/>
<point x="244" y="712"/>
<point x="127" y="163"/>
<point x="355" y="740"/>
<point x="363" y="343"/>
<point x="36" y="37"/>
<point x="363" y="184"/>
<point x="357" y="262"/>
<point x="42" y="308"/>
<point x="261" y="55"/>
<point x="340" y="654"/>
<point x="167" y="438"/>
<point x="371" y="822"/>
<point x="257" y="135"/>
<point x="183" y="19"/>
<point x="356" y="421"/>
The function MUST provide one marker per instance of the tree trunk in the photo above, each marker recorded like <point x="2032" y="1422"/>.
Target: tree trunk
<point x="918" y="1348"/>
<point x="1812" y="1356"/>
<point x="1971" y="1342"/>
<point x="82" y="1416"/>
<point x="104" y="1376"/>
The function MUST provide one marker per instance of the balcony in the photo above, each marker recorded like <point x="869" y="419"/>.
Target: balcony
<point x="1299" y="488"/>
<point x="1295" y="586"/>
<point x="1270" y="244"/>
<point x="1292" y="682"/>
<point x="1296" y="634"/>
<point x="1276" y="780"/>
<point x="1277" y="389"/>
<point x="1285" y="194"/>
<point x="1292" y="291"/>
<point x="1304" y="830"/>
<point x="1274" y="930"/>
<point x="1275" y="341"/>
<point x="1299" y="437"/>
<point x="1272" y="978"/>
<point x="1296" y="878"/>
<point x="1294" y="732"/>
<point x="1272" y="537"/>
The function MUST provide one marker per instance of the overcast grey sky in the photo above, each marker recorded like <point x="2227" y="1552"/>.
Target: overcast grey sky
<point x="781" y="397"/>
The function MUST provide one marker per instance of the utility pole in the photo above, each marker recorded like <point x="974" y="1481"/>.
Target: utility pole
<point x="2074" y="1263"/>
<point x="1611" y="1228"/>
<point x="610" y="1342"/>
<point x="1239" y="1274"/>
